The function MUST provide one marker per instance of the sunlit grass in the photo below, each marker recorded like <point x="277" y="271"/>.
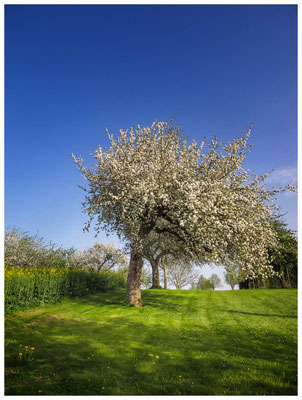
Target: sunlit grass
<point x="180" y="342"/>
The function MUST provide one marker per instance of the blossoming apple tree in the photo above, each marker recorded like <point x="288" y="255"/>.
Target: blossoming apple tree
<point x="152" y="180"/>
<point x="99" y="257"/>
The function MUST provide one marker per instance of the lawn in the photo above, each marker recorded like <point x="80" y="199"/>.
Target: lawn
<point x="180" y="343"/>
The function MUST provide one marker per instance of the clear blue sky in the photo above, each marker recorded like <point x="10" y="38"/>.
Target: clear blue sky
<point x="71" y="71"/>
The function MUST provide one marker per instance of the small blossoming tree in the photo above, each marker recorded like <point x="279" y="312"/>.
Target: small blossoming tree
<point x="152" y="180"/>
<point x="99" y="257"/>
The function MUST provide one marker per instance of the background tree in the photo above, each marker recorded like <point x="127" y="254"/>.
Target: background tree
<point x="154" y="250"/>
<point x="167" y="263"/>
<point x="99" y="257"/>
<point x="215" y="281"/>
<point x="181" y="274"/>
<point x="204" y="284"/>
<point x="232" y="275"/>
<point x="150" y="179"/>
<point x="146" y="278"/>
<point x="103" y="257"/>
<point x="164" y="253"/>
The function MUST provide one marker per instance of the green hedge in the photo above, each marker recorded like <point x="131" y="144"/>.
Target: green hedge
<point x="30" y="287"/>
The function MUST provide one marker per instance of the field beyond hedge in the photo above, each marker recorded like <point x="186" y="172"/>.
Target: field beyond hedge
<point x="180" y="343"/>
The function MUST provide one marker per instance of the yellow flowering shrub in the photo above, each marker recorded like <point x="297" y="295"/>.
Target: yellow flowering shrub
<point x="28" y="287"/>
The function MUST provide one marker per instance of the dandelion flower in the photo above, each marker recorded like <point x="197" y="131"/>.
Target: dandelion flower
<point x="151" y="355"/>
<point x="20" y="354"/>
<point x="32" y="348"/>
<point x="26" y="347"/>
<point x="156" y="356"/>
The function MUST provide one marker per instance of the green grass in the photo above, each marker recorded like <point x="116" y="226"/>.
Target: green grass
<point x="208" y="343"/>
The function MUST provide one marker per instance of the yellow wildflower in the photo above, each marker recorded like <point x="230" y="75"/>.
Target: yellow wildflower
<point x="40" y="391"/>
<point x="20" y="354"/>
<point x="26" y="347"/>
<point x="179" y="376"/>
<point x="151" y="355"/>
<point x="32" y="348"/>
<point x="156" y="356"/>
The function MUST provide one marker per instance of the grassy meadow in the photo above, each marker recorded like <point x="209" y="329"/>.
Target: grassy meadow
<point x="180" y="343"/>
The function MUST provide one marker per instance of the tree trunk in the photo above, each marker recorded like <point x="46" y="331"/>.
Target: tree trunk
<point x="165" y="277"/>
<point x="134" y="278"/>
<point x="232" y="286"/>
<point x="288" y="278"/>
<point x="282" y="280"/>
<point x="155" y="276"/>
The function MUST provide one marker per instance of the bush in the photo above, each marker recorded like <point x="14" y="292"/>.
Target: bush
<point x="29" y="287"/>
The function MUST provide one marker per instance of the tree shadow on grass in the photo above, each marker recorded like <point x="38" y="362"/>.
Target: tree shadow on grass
<point x="174" y="302"/>
<point x="257" y="314"/>
<point x="117" y="356"/>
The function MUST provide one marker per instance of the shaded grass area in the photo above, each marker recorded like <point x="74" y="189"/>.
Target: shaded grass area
<point x="206" y="343"/>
